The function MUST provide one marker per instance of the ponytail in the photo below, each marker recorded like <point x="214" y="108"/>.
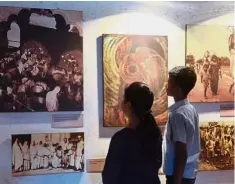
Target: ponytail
<point x="151" y="138"/>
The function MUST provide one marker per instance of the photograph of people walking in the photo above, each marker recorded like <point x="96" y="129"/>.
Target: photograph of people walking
<point x="48" y="153"/>
<point x="210" y="51"/>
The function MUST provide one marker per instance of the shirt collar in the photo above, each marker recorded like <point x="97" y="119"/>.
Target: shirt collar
<point x="178" y="104"/>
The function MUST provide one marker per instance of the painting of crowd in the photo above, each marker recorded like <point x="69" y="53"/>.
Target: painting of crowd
<point x="217" y="146"/>
<point x="34" y="154"/>
<point x="41" y="59"/>
<point x="215" y="72"/>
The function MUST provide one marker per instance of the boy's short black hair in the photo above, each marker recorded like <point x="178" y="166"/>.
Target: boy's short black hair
<point x="184" y="77"/>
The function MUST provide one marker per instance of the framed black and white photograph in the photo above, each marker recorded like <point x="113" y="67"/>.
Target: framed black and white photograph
<point x="41" y="60"/>
<point x="47" y="153"/>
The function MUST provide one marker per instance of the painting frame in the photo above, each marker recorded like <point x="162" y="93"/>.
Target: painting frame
<point x="47" y="153"/>
<point x="160" y="38"/>
<point x="216" y="89"/>
<point x="40" y="60"/>
<point x="217" y="153"/>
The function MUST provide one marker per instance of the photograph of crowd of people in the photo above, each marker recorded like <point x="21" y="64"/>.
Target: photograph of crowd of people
<point x="210" y="51"/>
<point x="130" y="58"/>
<point x="41" y="60"/>
<point x="217" y="146"/>
<point x="34" y="154"/>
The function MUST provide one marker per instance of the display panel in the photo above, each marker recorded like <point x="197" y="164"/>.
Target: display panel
<point x="210" y="51"/>
<point x="47" y="153"/>
<point x="227" y="110"/>
<point x="41" y="59"/>
<point x="217" y="146"/>
<point x="131" y="58"/>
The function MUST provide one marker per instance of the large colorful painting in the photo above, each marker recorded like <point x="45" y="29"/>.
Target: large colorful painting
<point x="210" y="50"/>
<point x="217" y="146"/>
<point x="41" y="59"/>
<point x="47" y="153"/>
<point x="131" y="58"/>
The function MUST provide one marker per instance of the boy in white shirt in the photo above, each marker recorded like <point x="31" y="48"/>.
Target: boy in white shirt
<point x="181" y="144"/>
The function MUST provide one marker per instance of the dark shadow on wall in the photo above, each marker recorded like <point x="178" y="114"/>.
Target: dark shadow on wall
<point x="104" y="132"/>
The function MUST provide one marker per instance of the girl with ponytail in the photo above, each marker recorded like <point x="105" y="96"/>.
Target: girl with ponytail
<point x="135" y="152"/>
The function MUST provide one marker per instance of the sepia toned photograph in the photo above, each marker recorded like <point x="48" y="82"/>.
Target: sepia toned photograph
<point x="41" y="59"/>
<point x="134" y="58"/>
<point x="210" y="51"/>
<point x="217" y="146"/>
<point x="47" y="153"/>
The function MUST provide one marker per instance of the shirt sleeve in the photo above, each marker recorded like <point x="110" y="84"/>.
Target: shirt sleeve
<point x="111" y="169"/>
<point x="179" y="128"/>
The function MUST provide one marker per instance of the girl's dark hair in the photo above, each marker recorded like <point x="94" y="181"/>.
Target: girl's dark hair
<point x="141" y="100"/>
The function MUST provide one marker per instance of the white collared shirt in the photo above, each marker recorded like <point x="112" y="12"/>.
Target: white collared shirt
<point x="182" y="126"/>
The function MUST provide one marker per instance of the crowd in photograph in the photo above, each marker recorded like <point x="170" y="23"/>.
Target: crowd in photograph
<point x="30" y="81"/>
<point x="29" y="156"/>
<point x="217" y="143"/>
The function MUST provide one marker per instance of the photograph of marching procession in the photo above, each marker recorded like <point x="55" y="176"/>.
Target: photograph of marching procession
<point x="210" y="51"/>
<point x="47" y="153"/>
<point x="217" y="146"/>
<point x="41" y="60"/>
<point x="130" y="58"/>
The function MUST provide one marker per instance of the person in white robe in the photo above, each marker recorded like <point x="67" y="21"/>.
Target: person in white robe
<point x="71" y="155"/>
<point x="33" y="155"/>
<point x="40" y="155"/>
<point x="54" y="161"/>
<point x="78" y="155"/>
<point x="51" y="149"/>
<point x="59" y="154"/>
<point x="47" y="154"/>
<point x="17" y="156"/>
<point x="64" y="146"/>
<point x="26" y="156"/>
<point x="52" y="100"/>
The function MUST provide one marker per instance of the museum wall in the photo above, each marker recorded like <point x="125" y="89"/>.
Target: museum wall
<point x="122" y="18"/>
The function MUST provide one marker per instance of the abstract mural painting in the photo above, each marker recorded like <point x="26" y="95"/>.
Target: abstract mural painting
<point x="217" y="146"/>
<point x="210" y="51"/>
<point x="47" y="153"/>
<point x="41" y="59"/>
<point x="131" y="58"/>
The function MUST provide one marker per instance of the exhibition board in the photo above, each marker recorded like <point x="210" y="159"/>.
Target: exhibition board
<point x="97" y="137"/>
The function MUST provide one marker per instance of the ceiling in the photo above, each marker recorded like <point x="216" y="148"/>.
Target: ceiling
<point x="181" y="12"/>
